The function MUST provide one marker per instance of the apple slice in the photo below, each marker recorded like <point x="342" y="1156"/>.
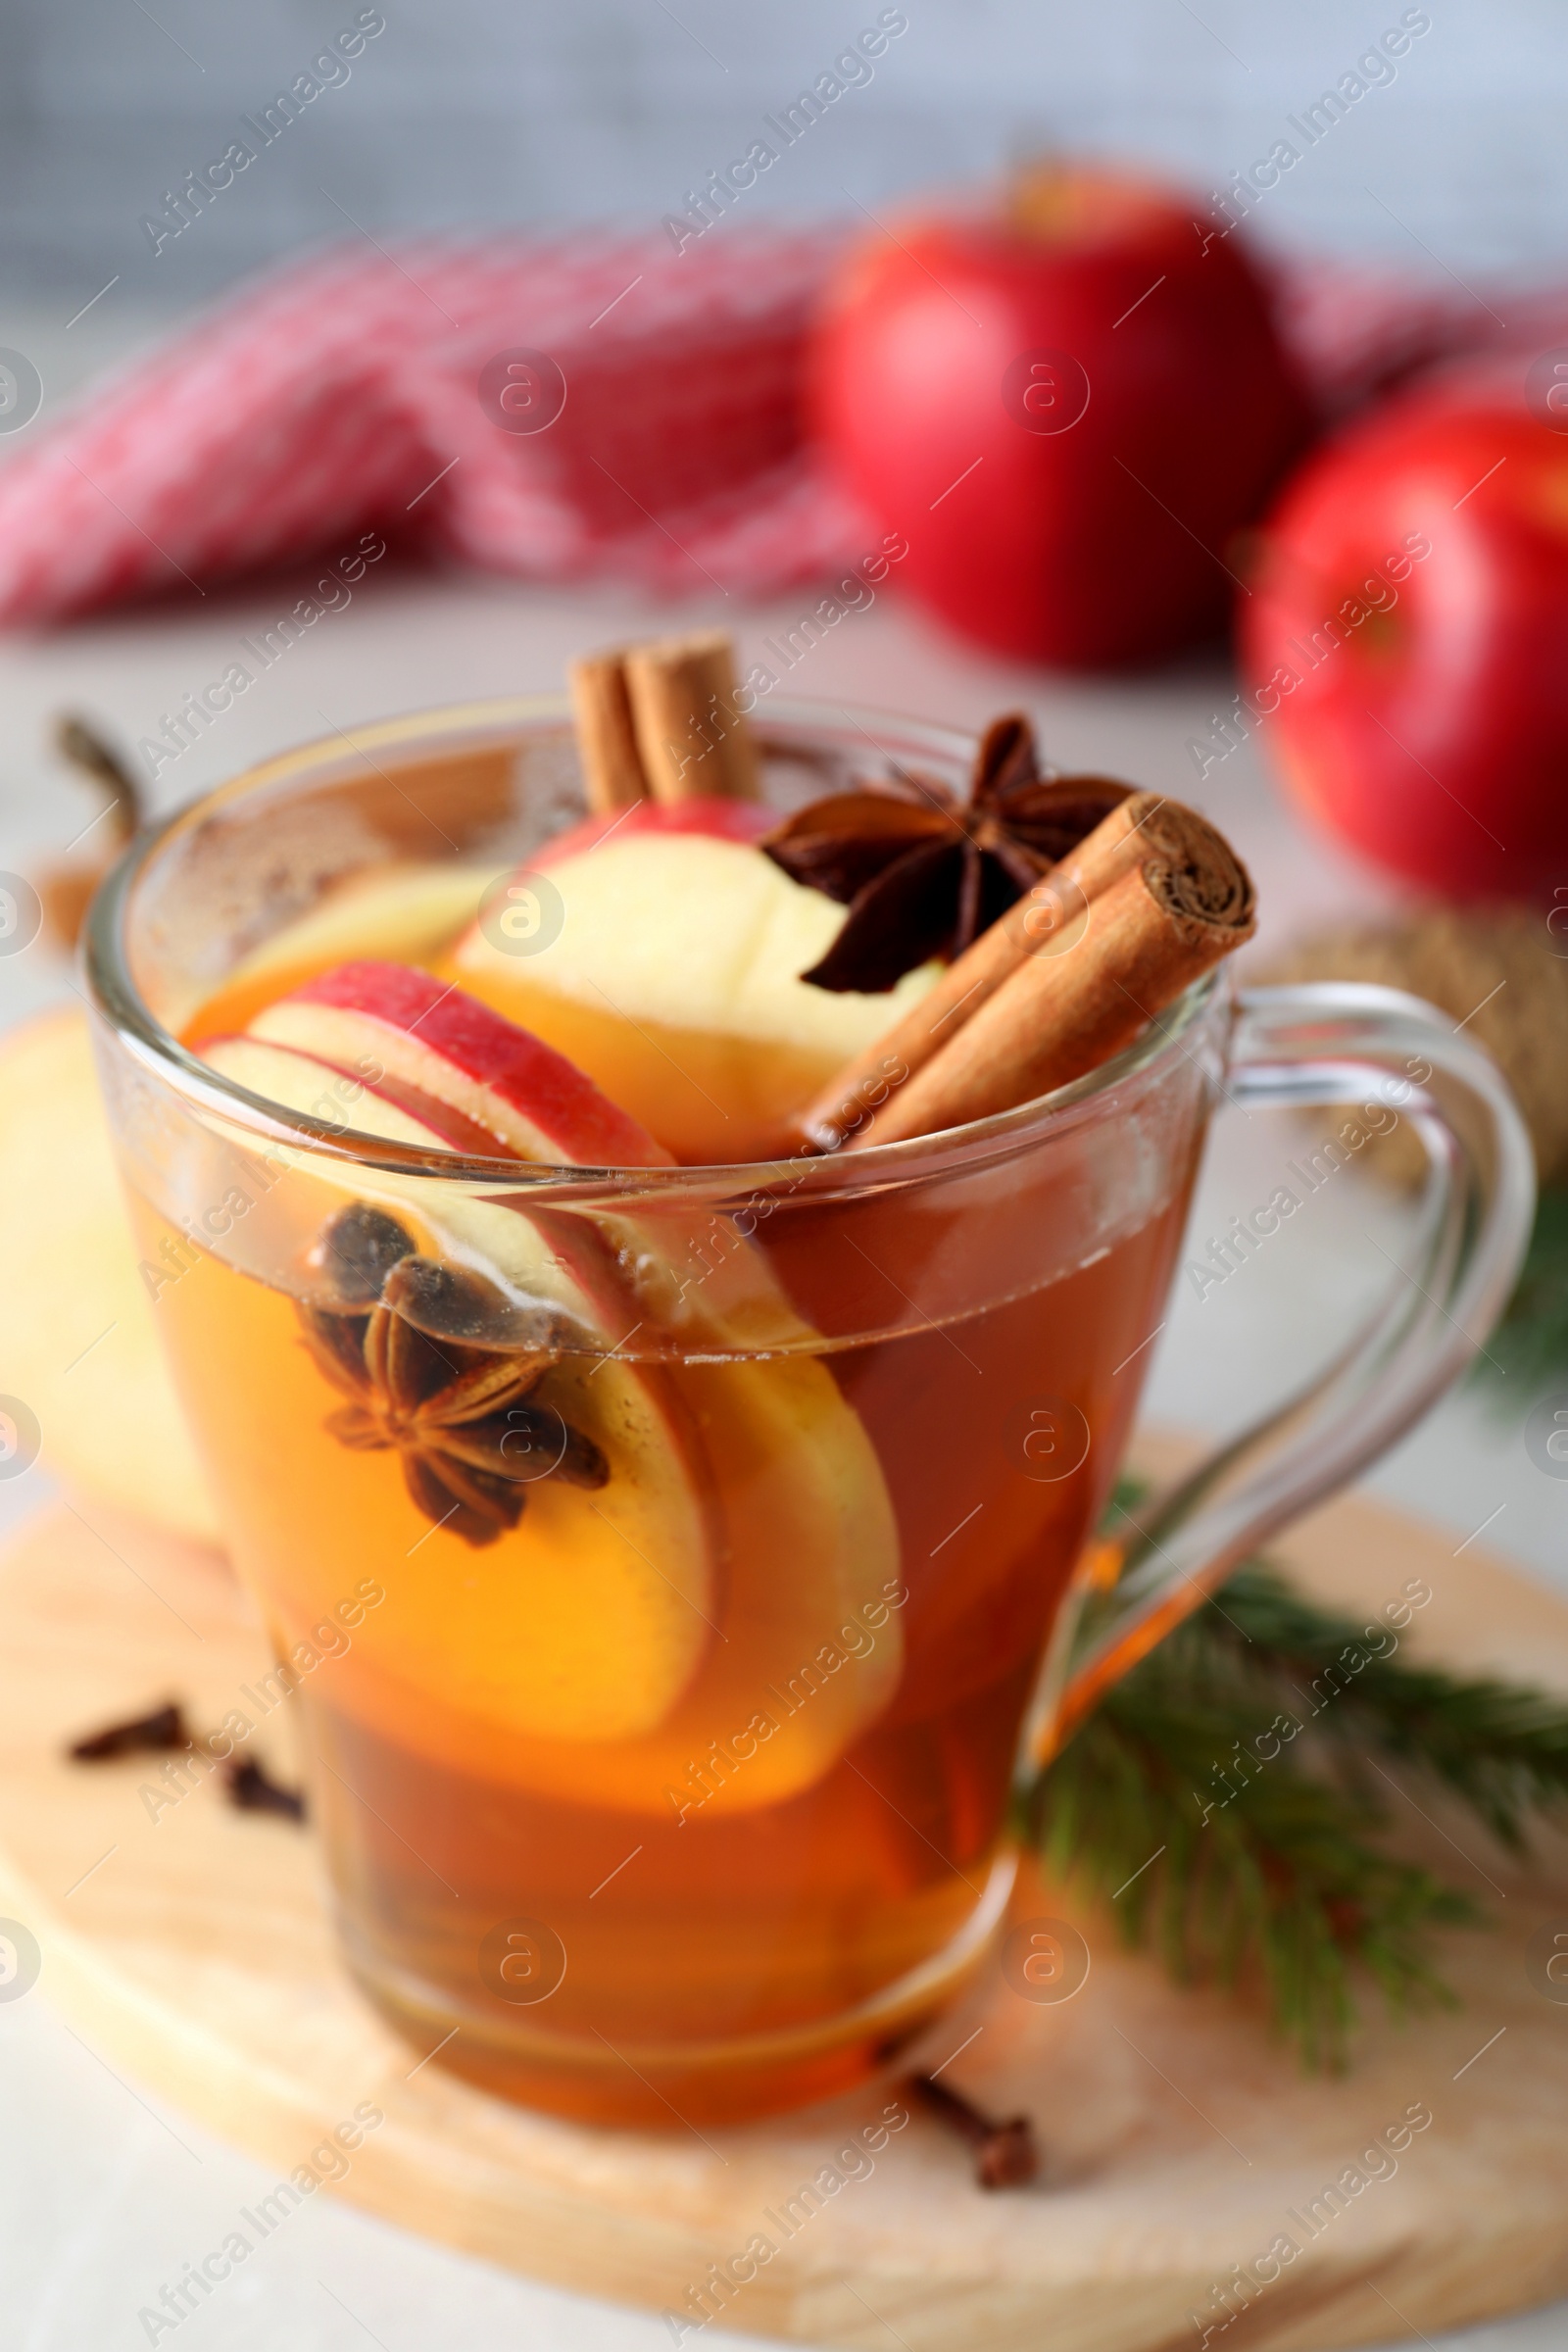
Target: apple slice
<point x="479" y="1081"/>
<point x="80" y="1342"/>
<point x="430" y="1035"/>
<point x="411" y="911"/>
<point x="811" y="1636"/>
<point x="673" y="977"/>
<point x="812" y="1646"/>
<point x="397" y="909"/>
<point x="799" y="1507"/>
<point x="333" y="1091"/>
<point x="588" y="1620"/>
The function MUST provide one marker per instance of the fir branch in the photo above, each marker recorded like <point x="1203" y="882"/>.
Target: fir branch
<point x="1500" y="1747"/>
<point x="1530" y="1344"/>
<point x="1279" y="1875"/>
<point x="1189" y="1801"/>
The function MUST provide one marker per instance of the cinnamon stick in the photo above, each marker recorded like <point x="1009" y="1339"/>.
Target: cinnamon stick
<point x="692" y="739"/>
<point x="1049" y="920"/>
<point x="1157" y="927"/>
<point x="606" y="742"/>
<point x="163" y="1729"/>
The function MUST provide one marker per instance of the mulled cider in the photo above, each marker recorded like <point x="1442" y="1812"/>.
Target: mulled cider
<point x="663" y="1541"/>
<point x="675" y="1788"/>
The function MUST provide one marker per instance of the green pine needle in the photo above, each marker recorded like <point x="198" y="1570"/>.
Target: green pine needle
<point x="1221" y="1800"/>
<point x="1500" y="1747"/>
<point x="1528" y="1351"/>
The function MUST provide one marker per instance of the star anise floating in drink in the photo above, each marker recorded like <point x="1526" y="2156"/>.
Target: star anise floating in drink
<point x="399" y="1342"/>
<point x="923" y="873"/>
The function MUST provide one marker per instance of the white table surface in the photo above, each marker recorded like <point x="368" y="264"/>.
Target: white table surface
<point x="100" y="2202"/>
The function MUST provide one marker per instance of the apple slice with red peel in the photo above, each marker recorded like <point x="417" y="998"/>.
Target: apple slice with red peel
<point x="480" y="1083"/>
<point x="531" y="1260"/>
<point x="405" y="909"/>
<point x="428" y="1034"/>
<point x="335" y="1093"/>
<point x="744" y="822"/>
<point x="600" y="1609"/>
<point x="794" y="1496"/>
<point x="672" y="975"/>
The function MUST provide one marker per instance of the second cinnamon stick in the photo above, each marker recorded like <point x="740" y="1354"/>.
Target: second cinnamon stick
<point x="1146" y="938"/>
<point x="692" y="738"/>
<point x="1047" y="922"/>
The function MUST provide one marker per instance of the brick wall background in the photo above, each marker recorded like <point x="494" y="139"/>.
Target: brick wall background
<point x="528" y="110"/>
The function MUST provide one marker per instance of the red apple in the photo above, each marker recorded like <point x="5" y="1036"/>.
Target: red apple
<point x="428" y="1034"/>
<point x="1066" y="409"/>
<point x="1403" y="648"/>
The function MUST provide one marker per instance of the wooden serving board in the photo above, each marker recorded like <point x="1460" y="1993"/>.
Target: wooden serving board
<point x="196" y="1952"/>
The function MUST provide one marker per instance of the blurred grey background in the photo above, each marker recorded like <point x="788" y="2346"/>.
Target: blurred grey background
<point x="518" y="110"/>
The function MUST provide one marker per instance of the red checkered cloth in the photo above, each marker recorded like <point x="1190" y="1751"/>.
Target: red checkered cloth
<point x="345" y="393"/>
<point x="1353" y="332"/>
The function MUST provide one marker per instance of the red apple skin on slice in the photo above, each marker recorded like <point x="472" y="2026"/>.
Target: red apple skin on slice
<point x="536" y="1257"/>
<point x="744" y="822"/>
<point x="335" y="1093"/>
<point x="467" y="1072"/>
<point x="428" y="1034"/>
<point x="672" y="976"/>
<point x="810" y="1548"/>
<point x="589" y="1620"/>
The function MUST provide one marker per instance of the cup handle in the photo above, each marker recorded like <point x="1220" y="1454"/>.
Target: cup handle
<point x="1327" y="1042"/>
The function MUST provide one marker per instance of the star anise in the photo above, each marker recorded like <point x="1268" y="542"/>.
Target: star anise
<point x="397" y="1342"/>
<point x="923" y="873"/>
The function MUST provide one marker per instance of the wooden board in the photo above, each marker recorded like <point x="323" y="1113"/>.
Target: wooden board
<point x="196" y="1953"/>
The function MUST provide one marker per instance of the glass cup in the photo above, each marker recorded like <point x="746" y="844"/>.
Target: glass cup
<point x="669" y="1771"/>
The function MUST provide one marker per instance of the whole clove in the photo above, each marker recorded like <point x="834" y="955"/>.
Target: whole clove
<point x="251" y="1789"/>
<point x="1006" y="2155"/>
<point x="144" y="1734"/>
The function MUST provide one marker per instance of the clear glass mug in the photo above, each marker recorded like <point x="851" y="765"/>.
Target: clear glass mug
<point x="688" y="1790"/>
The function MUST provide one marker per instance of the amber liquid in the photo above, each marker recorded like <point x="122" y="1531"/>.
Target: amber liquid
<point x="739" y="1911"/>
<point x="687" y="1796"/>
